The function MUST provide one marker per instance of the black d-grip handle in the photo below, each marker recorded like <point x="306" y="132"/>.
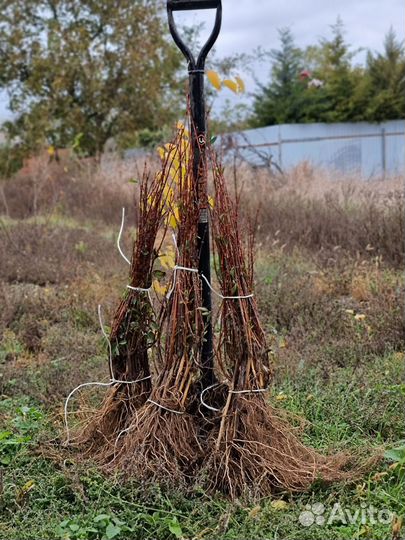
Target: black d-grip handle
<point x="184" y="5"/>
<point x="187" y="5"/>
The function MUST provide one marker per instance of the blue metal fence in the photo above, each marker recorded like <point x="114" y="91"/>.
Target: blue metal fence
<point x="370" y="150"/>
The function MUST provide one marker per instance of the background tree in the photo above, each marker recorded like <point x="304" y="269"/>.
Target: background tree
<point x="386" y="79"/>
<point x="79" y="71"/>
<point x="281" y="101"/>
<point x="316" y="85"/>
<point x="331" y="62"/>
<point x="323" y="83"/>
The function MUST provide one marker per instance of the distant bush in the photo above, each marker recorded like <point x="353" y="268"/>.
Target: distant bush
<point x="11" y="160"/>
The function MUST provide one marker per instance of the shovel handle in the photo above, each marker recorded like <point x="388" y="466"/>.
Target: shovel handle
<point x="185" y="5"/>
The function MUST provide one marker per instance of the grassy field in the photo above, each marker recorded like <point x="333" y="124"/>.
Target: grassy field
<point x="330" y="286"/>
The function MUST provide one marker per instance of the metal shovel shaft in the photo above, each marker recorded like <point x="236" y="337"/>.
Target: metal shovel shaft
<point x="198" y="121"/>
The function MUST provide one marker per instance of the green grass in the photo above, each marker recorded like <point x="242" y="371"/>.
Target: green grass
<point x="352" y="410"/>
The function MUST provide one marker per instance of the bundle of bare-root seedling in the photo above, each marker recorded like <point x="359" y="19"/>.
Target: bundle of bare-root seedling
<point x="133" y="331"/>
<point x="147" y="424"/>
<point x="253" y="448"/>
<point x="161" y="441"/>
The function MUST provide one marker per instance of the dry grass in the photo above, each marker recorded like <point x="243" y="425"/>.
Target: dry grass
<point x="332" y="217"/>
<point x="81" y="189"/>
<point x="305" y="207"/>
<point x="311" y="309"/>
<point x="44" y="253"/>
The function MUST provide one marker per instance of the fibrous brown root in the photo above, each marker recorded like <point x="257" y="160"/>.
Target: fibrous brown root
<point x="161" y="443"/>
<point x="259" y="451"/>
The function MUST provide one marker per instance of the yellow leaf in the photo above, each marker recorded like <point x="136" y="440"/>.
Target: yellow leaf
<point x="241" y="85"/>
<point x="279" y="505"/>
<point x="172" y="222"/>
<point x="255" y="512"/>
<point x="171" y="149"/>
<point x="232" y="85"/>
<point x="161" y="152"/>
<point x="281" y="397"/>
<point x="282" y="343"/>
<point x="365" y="531"/>
<point x="181" y="127"/>
<point x="175" y="175"/>
<point x="174" y="218"/>
<point x="160" y="289"/>
<point x="214" y="79"/>
<point x="167" y="260"/>
<point x="359" y="317"/>
<point x="379" y="476"/>
<point x="397" y="523"/>
<point x="168" y="194"/>
<point x="25" y="489"/>
<point x="51" y="150"/>
<point x="28" y="486"/>
<point x="175" y="163"/>
<point x="211" y="201"/>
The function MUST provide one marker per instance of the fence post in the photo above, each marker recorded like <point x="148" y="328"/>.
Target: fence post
<point x="383" y="152"/>
<point x="280" y="149"/>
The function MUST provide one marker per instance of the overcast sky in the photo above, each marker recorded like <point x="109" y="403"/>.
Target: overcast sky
<point x="248" y="24"/>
